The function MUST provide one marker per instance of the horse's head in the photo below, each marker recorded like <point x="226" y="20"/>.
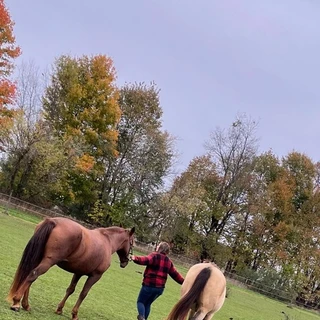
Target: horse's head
<point x="126" y="248"/>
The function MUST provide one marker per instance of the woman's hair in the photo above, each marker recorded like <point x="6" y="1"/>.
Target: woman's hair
<point x="163" y="247"/>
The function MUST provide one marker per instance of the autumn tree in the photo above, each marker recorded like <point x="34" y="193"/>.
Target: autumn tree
<point x="82" y="102"/>
<point x="212" y="194"/>
<point x="303" y="171"/>
<point x="81" y="106"/>
<point x="302" y="241"/>
<point x="145" y="153"/>
<point x="306" y="262"/>
<point x="8" y="52"/>
<point x="282" y="233"/>
<point x="268" y="186"/>
<point x="191" y="207"/>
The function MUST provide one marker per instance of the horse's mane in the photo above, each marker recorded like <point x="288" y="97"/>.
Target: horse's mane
<point x="112" y="229"/>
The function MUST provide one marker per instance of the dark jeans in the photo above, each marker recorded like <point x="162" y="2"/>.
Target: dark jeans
<point x="146" y="296"/>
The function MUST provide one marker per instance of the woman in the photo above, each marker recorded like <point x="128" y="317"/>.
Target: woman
<point x="155" y="277"/>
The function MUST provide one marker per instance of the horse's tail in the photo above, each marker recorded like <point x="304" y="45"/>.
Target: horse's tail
<point x="32" y="254"/>
<point x="181" y="309"/>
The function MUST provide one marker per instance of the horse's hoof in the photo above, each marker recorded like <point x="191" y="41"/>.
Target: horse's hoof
<point x="59" y="312"/>
<point x="27" y="308"/>
<point x="15" y="308"/>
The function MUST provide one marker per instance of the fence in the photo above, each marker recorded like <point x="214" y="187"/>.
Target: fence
<point x="15" y="203"/>
<point x="8" y="201"/>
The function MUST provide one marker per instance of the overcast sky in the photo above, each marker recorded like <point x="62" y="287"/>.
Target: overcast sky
<point x="211" y="59"/>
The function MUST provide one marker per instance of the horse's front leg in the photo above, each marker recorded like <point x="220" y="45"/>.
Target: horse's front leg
<point x="69" y="291"/>
<point x="87" y="286"/>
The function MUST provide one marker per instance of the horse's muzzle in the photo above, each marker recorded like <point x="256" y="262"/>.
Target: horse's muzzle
<point x="124" y="264"/>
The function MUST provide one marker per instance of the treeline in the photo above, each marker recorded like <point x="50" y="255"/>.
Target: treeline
<point x="81" y="143"/>
<point x="76" y="140"/>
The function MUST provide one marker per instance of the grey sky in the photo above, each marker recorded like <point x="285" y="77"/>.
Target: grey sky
<point x="211" y="59"/>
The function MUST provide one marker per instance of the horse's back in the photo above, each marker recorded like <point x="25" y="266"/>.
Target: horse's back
<point x="67" y="228"/>
<point x="77" y="249"/>
<point x="216" y="274"/>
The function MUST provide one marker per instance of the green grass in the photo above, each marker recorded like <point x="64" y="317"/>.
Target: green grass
<point x="114" y="296"/>
<point x="20" y="214"/>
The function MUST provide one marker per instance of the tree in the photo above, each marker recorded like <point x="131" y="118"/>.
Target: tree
<point x="31" y="83"/>
<point x="303" y="172"/>
<point x="189" y="209"/>
<point x="35" y="163"/>
<point x="270" y="206"/>
<point x="81" y="106"/>
<point x="8" y="52"/>
<point x="233" y="152"/>
<point x="82" y="103"/>
<point x="35" y="168"/>
<point x="145" y="153"/>
<point x="283" y="231"/>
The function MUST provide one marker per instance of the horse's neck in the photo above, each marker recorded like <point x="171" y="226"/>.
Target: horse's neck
<point x="115" y="236"/>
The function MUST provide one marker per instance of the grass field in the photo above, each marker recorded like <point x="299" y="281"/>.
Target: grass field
<point x="114" y="296"/>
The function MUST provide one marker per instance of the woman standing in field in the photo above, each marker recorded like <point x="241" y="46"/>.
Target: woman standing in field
<point x="158" y="266"/>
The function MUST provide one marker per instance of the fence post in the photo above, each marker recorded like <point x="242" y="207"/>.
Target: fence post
<point x="7" y="206"/>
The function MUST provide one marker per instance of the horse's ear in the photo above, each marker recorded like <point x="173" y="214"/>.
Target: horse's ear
<point x="132" y="231"/>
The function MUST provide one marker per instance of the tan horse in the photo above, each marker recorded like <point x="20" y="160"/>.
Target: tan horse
<point x="74" y="248"/>
<point x="202" y="293"/>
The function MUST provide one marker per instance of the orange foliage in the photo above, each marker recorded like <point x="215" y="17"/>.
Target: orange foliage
<point x="7" y="92"/>
<point x="84" y="95"/>
<point x="8" y="51"/>
<point x="85" y="163"/>
<point x="282" y="194"/>
<point x="281" y="230"/>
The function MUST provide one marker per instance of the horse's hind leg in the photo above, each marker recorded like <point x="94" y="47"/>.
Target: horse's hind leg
<point x="69" y="291"/>
<point x="192" y="312"/>
<point x="199" y="315"/>
<point x="25" y="287"/>
<point x="25" y="301"/>
<point x="209" y="316"/>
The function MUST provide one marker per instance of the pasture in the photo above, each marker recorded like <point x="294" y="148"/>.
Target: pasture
<point x="114" y="296"/>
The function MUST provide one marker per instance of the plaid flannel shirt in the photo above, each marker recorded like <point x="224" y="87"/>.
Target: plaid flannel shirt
<point x="157" y="270"/>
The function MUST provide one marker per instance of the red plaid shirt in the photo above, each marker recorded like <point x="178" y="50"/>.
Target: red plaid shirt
<point x="157" y="270"/>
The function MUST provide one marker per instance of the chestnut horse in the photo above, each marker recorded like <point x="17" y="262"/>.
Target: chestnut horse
<point x="202" y="293"/>
<point x="74" y="248"/>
